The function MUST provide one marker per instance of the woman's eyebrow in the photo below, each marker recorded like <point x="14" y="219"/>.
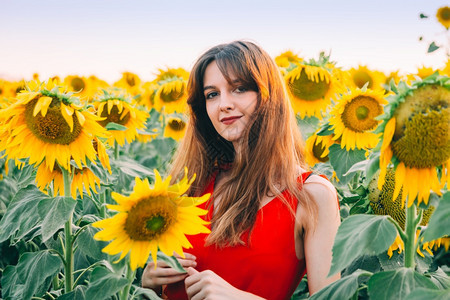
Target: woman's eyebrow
<point x="208" y="87"/>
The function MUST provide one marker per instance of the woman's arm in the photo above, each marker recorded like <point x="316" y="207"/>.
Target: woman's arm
<point x="209" y="285"/>
<point x="318" y="242"/>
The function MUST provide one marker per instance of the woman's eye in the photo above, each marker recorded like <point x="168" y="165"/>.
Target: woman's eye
<point x="211" y="95"/>
<point x="241" y="89"/>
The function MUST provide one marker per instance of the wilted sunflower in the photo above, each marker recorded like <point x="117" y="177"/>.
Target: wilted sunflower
<point x="384" y="203"/>
<point x="175" y="128"/>
<point x="353" y="118"/>
<point x="317" y="148"/>
<point x="81" y="177"/>
<point x="363" y="75"/>
<point x="443" y="16"/>
<point x="152" y="218"/>
<point x="416" y="138"/>
<point x="171" y="92"/>
<point x="46" y="125"/>
<point x="310" y="89"/>
<point x="116" y="107"/>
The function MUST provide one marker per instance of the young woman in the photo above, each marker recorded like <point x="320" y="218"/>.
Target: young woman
<point x="270" y="218"/>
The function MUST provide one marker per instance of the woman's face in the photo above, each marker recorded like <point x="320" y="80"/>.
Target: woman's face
<point x="229" y="107"/>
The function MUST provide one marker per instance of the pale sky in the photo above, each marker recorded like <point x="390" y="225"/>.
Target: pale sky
<point x="107" y="37"/>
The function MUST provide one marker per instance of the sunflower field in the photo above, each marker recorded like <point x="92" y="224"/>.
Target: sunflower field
<point x="83" y="206"/>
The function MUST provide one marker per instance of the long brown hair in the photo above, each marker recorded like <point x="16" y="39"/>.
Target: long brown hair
<point x="271" y="146"/>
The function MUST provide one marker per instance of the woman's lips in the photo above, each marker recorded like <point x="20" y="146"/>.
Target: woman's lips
<point x="230" y="120"/>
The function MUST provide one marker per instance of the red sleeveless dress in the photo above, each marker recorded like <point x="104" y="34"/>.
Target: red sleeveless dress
<point x="267" y="267"/>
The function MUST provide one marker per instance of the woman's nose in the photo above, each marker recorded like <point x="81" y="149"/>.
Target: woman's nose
<point x="226" y="102"/>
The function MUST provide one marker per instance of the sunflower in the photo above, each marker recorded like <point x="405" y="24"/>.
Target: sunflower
<point x="383" y="201"/>
<point x="155" y="218"/>
<point x="416" y="138"/>
<point x="363" y="75"/>
<point x="310" y="89"/>
<point x="443" y="16"/>
<point x="170" y="73"/>
<point x="131" y="83"/>
<point x="175" y="128"/>
<point x="79" y="85"/>
<point x="172" y="96"/>
<point x="116" y="107"/>
<point x="317" y="148"/>
<point x="170" y="91"/>
<point x="422" y="72"/>
<point x="81" y="177"/>
<point x="353" y="118"/>
<point x="46" y="125"/>
<point x="285" y="59"/>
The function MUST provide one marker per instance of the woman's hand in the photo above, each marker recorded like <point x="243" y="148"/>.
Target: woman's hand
<point x="209" y="285"/>
<point x="155" y="278"/>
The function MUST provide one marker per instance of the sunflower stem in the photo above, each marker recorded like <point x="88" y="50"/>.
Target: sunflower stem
<point x="410" y="231"/>
<point x="116" y="150"/>
<point x="399" y="229"/>
<point x="130" y="277"/>
<point x="103" y="204"/>
<point x="68" y="265"/>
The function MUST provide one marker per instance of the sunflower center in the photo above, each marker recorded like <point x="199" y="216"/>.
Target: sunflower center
<point x="150" y="218"/>
<point x="426" y="140"/>
<point x="360" y="78"/>
<point x="177" y="124"/>
<point x="77" y="84"/>
<point x="359" y="114"/>
<point x="114" y="116"/>
<point x="52" y="128"/>
<point x="318" y="150"/>
<point x="130" y="80"/>
<point x="445" y="14"/>
<point x="172" y="96"/>
<point x="155" y="223"/>
<point x="306" y="89"/>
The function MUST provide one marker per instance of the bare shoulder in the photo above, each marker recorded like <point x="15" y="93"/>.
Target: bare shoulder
<point x="323" y="193"/>
<point x="320" y="190"/>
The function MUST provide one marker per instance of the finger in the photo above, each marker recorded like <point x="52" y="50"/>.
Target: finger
<point x="168" y="280"/>
<point x="187" y="263"/>
<point x="194" y="289"/>
<point x="186" y="256"/>
<point x="191" y="271"/>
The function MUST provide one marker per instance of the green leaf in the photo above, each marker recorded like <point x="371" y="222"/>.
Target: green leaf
<point x="11" y="285"/>
<point x="366" y="262"/>
<point x="54" y="213"/>
<point x="104" y="284"/>
<point x="397" y="284"/>
<point x="132" y="168"/>
<point x="393" y="263"/>
<point x="359" y="235"/>
<point x="433" y="47"/>
<point x="423" y="293"/>
<point x="90" y="247"/>
<point x="344" y="288"/>
<point x="358" y="167"/>
<point x="22" y="213"/>
<point x="171" y="261"/>
<point x="373" y="165"/>
<point x="35" y="268"/>
<point x="79" y="293"/>
<point x="308" y="126"/>
<point x="149" y="293"/>
<point x="423" y="16"/>
<point x="343" y="160"/>
<point x="439" y="278"/>
<point x="115" y="126"/>
<point x="439" y="224"/>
